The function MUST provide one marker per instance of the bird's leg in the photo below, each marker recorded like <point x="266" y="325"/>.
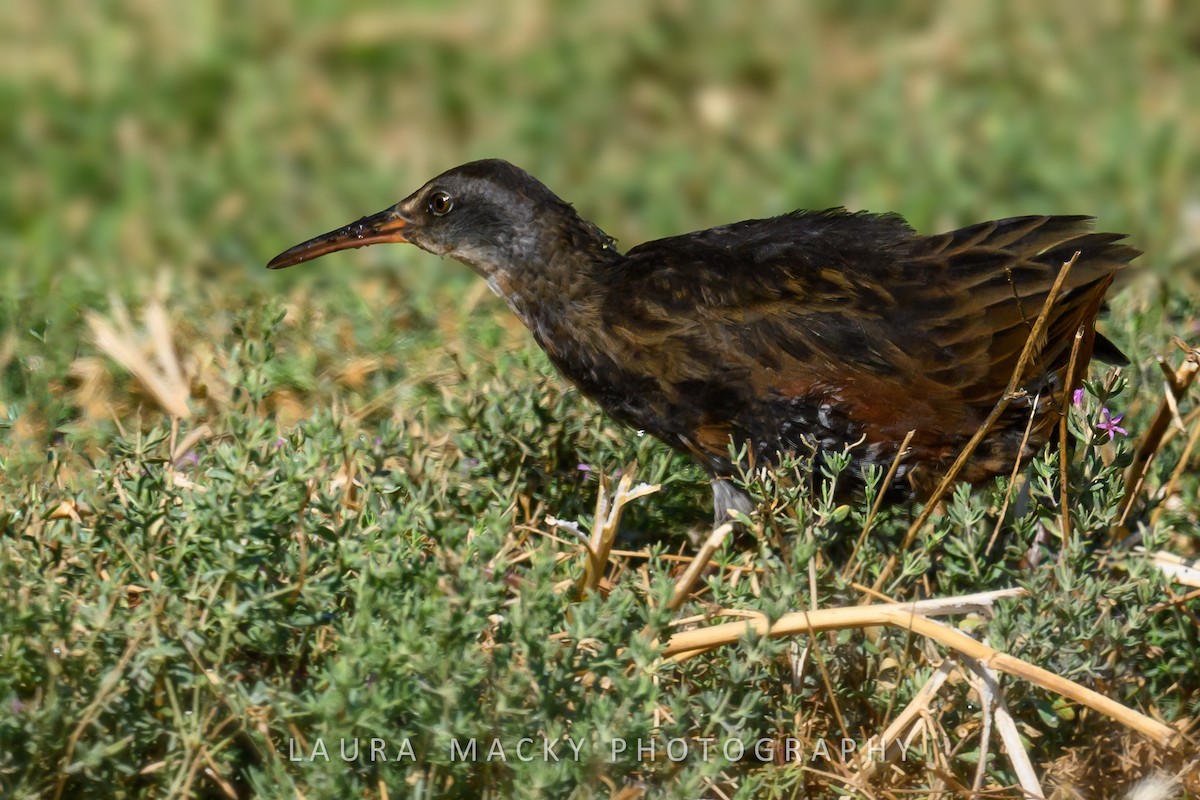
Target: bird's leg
<point x="728" y="498"/>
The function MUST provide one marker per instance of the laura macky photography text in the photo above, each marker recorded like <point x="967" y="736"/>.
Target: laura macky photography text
<point x="541" y="748"/>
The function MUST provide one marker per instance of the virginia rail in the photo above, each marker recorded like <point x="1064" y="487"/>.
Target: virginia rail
<point x="807" y="332"/>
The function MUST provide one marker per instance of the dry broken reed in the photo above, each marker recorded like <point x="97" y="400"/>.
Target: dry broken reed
<point x="148" y="354"/>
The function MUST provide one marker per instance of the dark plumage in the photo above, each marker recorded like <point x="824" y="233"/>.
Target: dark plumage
<point x="807" y="330"/>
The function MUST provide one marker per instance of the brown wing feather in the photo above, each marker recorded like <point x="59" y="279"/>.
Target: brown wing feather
<point x="823" y="329"/>
<point x="1001" y="273"/>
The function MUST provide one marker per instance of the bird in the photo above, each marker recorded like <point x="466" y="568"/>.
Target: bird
<point x="805" y="333"/>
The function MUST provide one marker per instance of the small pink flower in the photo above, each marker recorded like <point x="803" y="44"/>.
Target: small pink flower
<point x="1077" y="397"/>
<point x="1110" y="424"/>
<point x="584" y="468"/>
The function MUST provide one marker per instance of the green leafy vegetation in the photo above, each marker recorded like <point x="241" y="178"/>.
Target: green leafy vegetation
<point x="350" y="537"/>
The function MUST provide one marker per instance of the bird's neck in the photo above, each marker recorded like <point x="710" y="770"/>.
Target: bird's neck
<point x="561" y="294"/>
<point x="554" y="287"/>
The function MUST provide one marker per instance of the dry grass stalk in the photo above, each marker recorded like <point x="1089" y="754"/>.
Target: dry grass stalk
<point x="977" y="603"/>
<point x="1177" y="473"/>
<point x="905" y="617"/>
<point x="814" y="648"/>
<point x="189" y="441"/>
<point x="604" y="527"/>
<point x="1175" y="601"/>
<point x="1032" y="343"/>
<point x="852" y="564"/>
<point x="161" y="375"/>
<point x="110" y="686"/>
<point x="1175" y="568"/>
<point x="987" y="703"/>
<point x="1063" y="462"/>
<point x="993" y="699"/>
<point x="1012" y="478"/>
<point x="905" y="726"/>
<point x="1177" y="384"/>
<point x="683" y="587"/>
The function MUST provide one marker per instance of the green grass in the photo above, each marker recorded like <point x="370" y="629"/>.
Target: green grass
<point x="355" y="541"/>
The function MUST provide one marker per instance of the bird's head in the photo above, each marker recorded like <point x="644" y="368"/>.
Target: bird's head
<point x="489" y="214"/>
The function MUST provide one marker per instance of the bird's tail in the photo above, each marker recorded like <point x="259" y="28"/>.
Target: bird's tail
<point x="1009" y="267"/>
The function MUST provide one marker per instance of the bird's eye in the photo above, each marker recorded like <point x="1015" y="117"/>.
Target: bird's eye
<point x="440" y="203"/>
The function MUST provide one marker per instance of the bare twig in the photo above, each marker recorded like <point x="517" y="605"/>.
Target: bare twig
<point x="691" y="643"/>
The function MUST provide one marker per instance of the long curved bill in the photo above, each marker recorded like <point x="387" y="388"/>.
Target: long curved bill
<point x="386" y="226"/>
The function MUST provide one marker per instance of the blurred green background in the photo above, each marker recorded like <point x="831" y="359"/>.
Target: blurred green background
<point x="197" y="136"/>
<point x="159" y="153"/>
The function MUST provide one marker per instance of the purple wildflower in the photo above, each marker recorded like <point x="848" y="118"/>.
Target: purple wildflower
<point x="280" y="442"/>
<point x="1077" y="397"/>
<point x="1110" y="424"/>
<point x="585" y="468"/>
